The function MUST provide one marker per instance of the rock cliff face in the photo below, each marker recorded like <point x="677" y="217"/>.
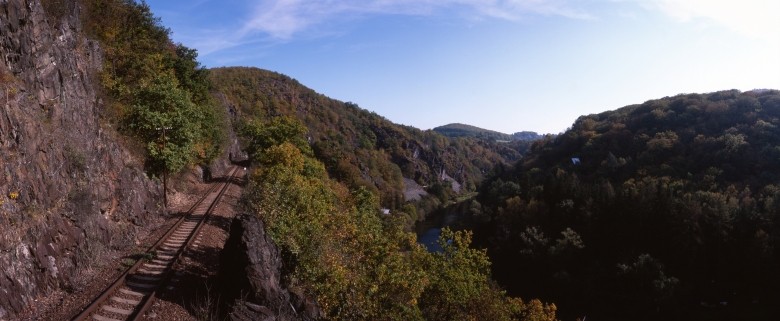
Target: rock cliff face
<point x="68" y="190"/>
<point x="251" y="276"/>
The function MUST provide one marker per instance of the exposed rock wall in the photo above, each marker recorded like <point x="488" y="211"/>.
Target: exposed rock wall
<point x="233" y="152"/>
<point x="251" y="272"/>
<point x="68" y="190"/>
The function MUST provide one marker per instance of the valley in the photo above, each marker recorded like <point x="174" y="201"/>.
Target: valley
<point x="668" y="209"/>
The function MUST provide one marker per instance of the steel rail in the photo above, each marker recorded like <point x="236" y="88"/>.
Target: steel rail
<point x="147" y="301"/>
<point x="122" y="279"/>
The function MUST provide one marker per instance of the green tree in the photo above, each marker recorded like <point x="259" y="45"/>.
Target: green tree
<point x="162" y="118"/>
<point x="461" y="288"/>
<point x="155" y="90"/>
<point x="261" y="135"/>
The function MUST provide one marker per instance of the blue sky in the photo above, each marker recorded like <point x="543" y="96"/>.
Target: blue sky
<point x="506" y="65"/>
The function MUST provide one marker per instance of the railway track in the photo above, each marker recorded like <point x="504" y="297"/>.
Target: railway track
<point x="133" y="293"/>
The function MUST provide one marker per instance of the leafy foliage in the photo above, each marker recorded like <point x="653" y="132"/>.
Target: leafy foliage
<point x="358" y="263"/>
<point x="461" y="288"/>
<point x="670" y="210"/>
<point x="162" y="107"/>
<point x="358" y="147"/>
<point x="262" y="136"/>
<point x="152" y="84"/>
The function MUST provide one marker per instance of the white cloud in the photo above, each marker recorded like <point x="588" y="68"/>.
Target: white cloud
<point x="281" y="19"/>
<point x="753" y="18"/>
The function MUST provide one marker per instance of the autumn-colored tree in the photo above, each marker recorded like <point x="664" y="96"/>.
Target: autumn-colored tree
<point x="358" y="263"/>
<point x="685" y="180"/>
<point x="155" y="90"/>
<point x="461" y="288"/>
<point x="359" y="148"/>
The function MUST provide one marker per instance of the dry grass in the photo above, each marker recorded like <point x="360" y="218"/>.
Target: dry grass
<point x="205" y="305"/>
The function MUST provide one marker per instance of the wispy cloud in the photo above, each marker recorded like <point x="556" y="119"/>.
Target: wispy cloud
<point x="282" y="19"/>
<point x="753" y="18"/>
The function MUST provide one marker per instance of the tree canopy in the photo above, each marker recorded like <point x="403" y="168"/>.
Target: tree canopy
<point x="357" y="262"/>
<point x="670" y="211"/>
<point x="358" y="147"/>
<point x="153" y="85"/>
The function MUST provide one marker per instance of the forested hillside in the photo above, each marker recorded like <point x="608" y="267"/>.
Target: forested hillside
<point x="358" y="263"/>
<point x="463" y="130"/>
<point x="359" y="147"/>
<point x="527" y="136"/>
<point x="664" y="210"/>
<point x="520" y="140"/>
<point x="323" y="170"/>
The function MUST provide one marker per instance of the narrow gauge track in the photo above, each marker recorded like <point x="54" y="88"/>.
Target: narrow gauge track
<point x="133" y="293"/>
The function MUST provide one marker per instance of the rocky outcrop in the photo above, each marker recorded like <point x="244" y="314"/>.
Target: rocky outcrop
<point x="251" y="276"/>
<point x="68" y="190"/>
<point x="233" y="152"/>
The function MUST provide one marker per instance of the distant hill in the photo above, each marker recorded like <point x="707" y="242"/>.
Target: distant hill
<point x="464" y="130"/>
<point x="526" y="136"/>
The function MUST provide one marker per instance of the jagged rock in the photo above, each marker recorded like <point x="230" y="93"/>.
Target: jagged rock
<point x="250" y="273"/>
<point x="77" y="186"/>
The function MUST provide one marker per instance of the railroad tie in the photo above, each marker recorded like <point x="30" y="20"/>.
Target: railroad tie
<point x="125" y="301"/>
<point x="147" y="278"/>
<point x="169" y="248"/>
<point x="147" y="286"/>
<point x="116" y="310"/>
<point x="148" y="275"/>
<point x="102" y="318"/>
<point x="166" y="251"/>
<point x="179" y="245"/>
<point x="164" y="263"/>
<point x="165" y="257"/>
<point x="152" y="272"/>
<point x="132" y="292"/>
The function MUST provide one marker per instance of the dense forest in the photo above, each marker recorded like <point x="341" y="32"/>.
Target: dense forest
<point x="664" y="210"/>
<point x="360" y="148"/>
<point x="323" y="171"/>
<point x="358" y="263"/>
<point x="463" y="130"/>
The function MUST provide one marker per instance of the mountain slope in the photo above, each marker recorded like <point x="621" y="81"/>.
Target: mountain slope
<point x="357" y="146"/>
<point x="527" y="136"/>
<point x="463" y="130"/>
<point x="650" y="211"/>
<point x="337" y="246"/>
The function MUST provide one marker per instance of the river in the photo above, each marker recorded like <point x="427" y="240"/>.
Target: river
<point x="428" y="231"/>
